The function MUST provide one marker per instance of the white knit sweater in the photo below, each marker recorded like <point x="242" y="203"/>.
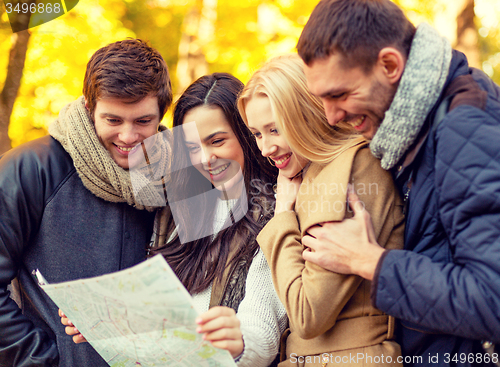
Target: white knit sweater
<point x="262" y="315"/>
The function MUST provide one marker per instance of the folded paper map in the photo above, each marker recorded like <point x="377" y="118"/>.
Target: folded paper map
<point x="141" y="316"/>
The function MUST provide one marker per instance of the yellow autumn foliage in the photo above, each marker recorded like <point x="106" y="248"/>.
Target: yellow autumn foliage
<point x="237" y="38"/>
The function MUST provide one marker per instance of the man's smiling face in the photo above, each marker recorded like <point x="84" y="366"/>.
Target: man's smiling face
<point x="121" y="126"/>
<point x="351" y="94"/>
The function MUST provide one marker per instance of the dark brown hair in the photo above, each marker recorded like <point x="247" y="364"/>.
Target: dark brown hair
<point x="200" y="262"/>
<point x="128" y="69"/>
<point x="357" y="29"/>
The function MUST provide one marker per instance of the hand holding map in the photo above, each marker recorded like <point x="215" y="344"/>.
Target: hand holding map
<point x="141" y="316"/>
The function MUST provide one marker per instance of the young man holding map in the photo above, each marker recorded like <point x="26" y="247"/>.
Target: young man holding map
<point x="67" y="203"/>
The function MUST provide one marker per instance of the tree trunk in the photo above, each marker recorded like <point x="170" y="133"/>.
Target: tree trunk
<point x="467" y="35"/>
<point x="197" y="31"/>
<point x="456" y="23"/>
<point x="17" y="56"/>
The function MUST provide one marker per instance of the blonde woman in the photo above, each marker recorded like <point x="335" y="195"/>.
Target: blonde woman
<point x="331" y="317"/>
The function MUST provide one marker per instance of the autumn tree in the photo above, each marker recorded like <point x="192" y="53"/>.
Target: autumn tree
<point x="17" y="57"/>
<point x="467" y="34"/>
<point x="195" y="37"/>
<point x="457" y="21"/>
<point x="198" y="30"/>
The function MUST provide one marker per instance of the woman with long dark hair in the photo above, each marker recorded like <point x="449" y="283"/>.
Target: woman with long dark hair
<point x="219" y="201"/>
<point x="219" y="198"/>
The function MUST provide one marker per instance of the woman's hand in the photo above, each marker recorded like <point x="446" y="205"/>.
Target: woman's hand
<point x="222" y="329"/>
<point x="71" y="329"/>
<point x="286" y="191"/>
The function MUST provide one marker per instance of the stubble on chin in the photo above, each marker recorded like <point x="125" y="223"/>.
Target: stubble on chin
<point x="383" y="97"/>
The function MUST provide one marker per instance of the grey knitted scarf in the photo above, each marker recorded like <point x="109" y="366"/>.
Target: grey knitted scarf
<point x="421" y="84"/>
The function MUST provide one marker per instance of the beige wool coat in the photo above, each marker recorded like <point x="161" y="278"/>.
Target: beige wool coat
<point x="329" y="312"/>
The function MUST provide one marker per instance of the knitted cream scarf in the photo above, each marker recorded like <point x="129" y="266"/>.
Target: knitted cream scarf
<point x="421" y="84"/>
<point x="99" y="173"/>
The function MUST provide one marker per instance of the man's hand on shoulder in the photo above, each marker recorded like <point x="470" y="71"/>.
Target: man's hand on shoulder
<point x="347" y="247"/>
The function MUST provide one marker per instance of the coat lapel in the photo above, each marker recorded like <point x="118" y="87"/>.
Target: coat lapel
<point x="323" y="193"/>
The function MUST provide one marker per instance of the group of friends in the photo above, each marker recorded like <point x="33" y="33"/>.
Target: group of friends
<point x="347" y="204"/>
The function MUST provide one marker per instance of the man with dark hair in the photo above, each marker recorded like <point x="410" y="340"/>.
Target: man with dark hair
<point x="435" y="122"/>
<point x="67" y="202"/>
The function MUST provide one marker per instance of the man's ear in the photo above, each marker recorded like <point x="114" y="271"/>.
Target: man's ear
<point x="392" y="63"/>
<point x="88" y="110"/>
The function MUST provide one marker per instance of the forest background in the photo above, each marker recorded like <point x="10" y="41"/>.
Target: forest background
<point x="42" y="69"/>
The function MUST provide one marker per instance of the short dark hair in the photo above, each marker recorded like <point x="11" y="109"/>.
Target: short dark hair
<point x="128" y="69"/>
<point x="357" y="29"/>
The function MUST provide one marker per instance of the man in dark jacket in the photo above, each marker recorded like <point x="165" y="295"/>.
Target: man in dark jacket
<point x="435" y="122"/>
<point x="67" y="204"/>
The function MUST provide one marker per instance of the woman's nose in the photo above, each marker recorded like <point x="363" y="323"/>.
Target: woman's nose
<point x="207" y="157"/>
<point x="268" y="148"/>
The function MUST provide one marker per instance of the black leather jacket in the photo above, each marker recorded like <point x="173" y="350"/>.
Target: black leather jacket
<point x="50" y="221"/>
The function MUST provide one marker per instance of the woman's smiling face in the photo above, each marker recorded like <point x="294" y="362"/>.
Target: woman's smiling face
<point x="261" y="122"/>
<point x="213" y="148"/>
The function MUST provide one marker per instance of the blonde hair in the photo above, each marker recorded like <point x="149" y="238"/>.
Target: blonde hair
<point x="299" y="115"/>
